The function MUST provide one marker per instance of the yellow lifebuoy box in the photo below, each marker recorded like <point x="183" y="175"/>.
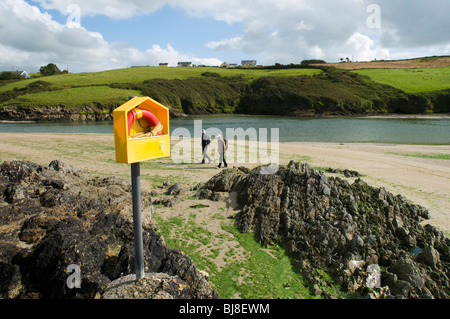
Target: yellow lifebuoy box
<point x="141" y="130"/>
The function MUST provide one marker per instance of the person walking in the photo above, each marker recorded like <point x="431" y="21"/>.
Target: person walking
<point x="221" y="148"/>
<point x="206" y="140"/>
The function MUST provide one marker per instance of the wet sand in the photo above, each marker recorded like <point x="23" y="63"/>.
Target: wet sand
<point x="424" y="181"/>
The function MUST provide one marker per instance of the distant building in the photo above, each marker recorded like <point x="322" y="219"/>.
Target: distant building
<point x="18" y="74"/>
<point x="226" y="65"/>
<point x="24" y="74"/>
<point x="248" y="63"/>
<point x="184" y="64"/>
<point x="164" y="64"/>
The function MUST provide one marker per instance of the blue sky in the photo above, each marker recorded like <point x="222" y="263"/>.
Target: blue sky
<point x="115" y="34"/>
<point x="166" y="26"/>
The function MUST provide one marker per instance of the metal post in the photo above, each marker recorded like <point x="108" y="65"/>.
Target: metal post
<point x="137" y="220"/>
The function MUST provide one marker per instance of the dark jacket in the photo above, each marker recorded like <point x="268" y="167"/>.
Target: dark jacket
<point x="205" y="140"/>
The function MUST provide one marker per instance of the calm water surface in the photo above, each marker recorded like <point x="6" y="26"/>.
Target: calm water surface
<point x="384" y="130"/>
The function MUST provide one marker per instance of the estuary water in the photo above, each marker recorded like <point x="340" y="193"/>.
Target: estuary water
<point x="336" y="129"/>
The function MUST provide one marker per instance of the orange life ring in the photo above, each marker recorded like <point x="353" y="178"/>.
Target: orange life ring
<point x="137" y="114"/>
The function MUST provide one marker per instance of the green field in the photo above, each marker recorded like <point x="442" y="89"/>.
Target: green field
<point x="212" y="90"/>
<point x="137" y="75"/>
<point x="411" y="80"/>
<point x="86" y="96"/>
<point x="80" y="90"/>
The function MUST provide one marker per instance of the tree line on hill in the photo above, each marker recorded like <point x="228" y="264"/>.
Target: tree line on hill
<point x="47" y="70"/>
<point x="51" y="69"/>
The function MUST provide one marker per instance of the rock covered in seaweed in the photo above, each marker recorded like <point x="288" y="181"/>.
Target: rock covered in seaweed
<point x="341" y="228"/>
<point x="53" y="217"/>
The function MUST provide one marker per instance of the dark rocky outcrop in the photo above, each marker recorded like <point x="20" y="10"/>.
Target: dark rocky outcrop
<point x="330" y="226"/>
<point x="152" y="286"/>
<point x="56" y="216"/>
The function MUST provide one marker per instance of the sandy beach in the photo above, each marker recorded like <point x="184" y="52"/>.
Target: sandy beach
<point x="397" y="168"/>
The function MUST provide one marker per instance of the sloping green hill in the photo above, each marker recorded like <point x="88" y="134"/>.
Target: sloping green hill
<point x="411" y="80"/>
<point x="290" y="91"/>
<point x="337" y="92"/>
<point x="184" y="90"/>
<point x="138" y="75"/>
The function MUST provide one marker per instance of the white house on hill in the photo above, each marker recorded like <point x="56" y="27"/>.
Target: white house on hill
<point x="248" y="63"/>
<point x="184" y="64"/>
<point x="19" y="74"/>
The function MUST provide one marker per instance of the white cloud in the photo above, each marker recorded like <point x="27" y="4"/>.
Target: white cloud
<point x="284" y="31"/>
<point x="115" y="9"/>
<point x="290" y="30"/>
<point x="360" y="42"/>
<point x="302" y="25"/>
<point x="36" y="40"/>
<point x="445" y="50"/>
<point x="316" y="52"/>
<point x="226" y="44"/>
<point x="361" y="47"/>
<point x="169" y="55"/>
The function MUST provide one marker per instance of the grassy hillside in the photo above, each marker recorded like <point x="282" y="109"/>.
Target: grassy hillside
<point x="284" y="91"/>
<point x="336" y="92"/>
<point x="411" y="80"/>
<point x="185" y="90"/>
<point x="85" y="96"/>
<point x="138" y="75"/>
